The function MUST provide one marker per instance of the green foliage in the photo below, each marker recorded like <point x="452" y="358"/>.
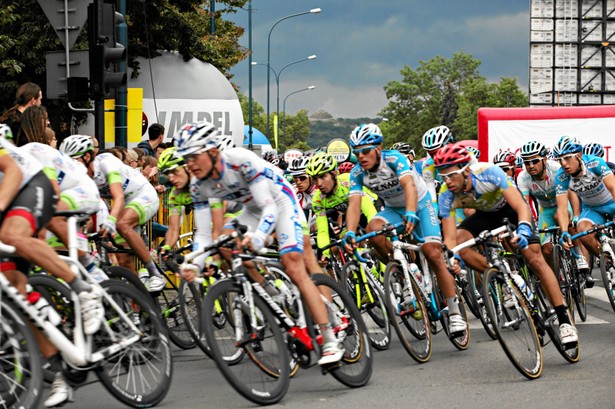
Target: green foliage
<point x="443" y="92"/>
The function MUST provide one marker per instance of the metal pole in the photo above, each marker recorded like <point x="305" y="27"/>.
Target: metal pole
<point x="250" y="77"/>
<point x="277" y="110"/>
<point x="284" y="108"/>
<point x="121" y="106"/>
<point x="213" y="18"/>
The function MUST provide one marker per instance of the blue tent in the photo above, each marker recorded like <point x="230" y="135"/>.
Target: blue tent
<point x="258" y="138"/>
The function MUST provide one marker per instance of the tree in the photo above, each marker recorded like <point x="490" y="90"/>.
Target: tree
<point x="294" y="129"/>
<point x="26" y="35"/>
<point x="442" y="91"/>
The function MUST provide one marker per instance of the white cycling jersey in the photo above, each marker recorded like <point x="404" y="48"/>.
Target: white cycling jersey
<point x="384" y="181"/>
<point x="57" y="166"/>
<point x="27" y="163"/>
<point x="109" y="169"/>
<point x="543" y="190"/>
<point x="589" y="184"/>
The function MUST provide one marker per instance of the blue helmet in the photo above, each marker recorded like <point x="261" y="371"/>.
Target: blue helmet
<point x="566" y="145"/>
<point x="594" y="149"/>
<point x="366" y="134"/>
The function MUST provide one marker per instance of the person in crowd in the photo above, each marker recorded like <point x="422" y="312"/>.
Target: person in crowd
<point x="27" y="95"/>
<point x="155" y="135"/>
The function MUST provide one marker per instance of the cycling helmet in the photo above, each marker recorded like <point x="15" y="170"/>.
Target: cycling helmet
<point x="195" y="136"/>
<point x="437" y="137"/>
<point x="451" y="155"/>
<point x="76" y="146"/>
<point x="320" y="163"/>
<point x="473" y="151"/>
<point x="225" y="142"/>
<point x="593" y="148"/>
<point x="298" y="165"/>
<point x="271" y="157"/>
<point x="518" y="162"/>
<point x="345" y="167"/>
<point x="505" y="158"/>
<point x="6" y="132"/>
<point x="366" y="134"/>
<point x="402" y="147"/>
<point x="533" y="148"/>
<point x="566" y="145"/>
<point x="169" y="160"/>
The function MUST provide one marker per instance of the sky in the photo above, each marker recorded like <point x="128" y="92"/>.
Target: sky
<point x="362" y="45"/>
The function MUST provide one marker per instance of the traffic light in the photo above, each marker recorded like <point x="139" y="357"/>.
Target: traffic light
<point x="105" y="52"/>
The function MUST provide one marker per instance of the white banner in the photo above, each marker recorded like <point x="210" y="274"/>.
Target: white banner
<point x="512" y="134"/>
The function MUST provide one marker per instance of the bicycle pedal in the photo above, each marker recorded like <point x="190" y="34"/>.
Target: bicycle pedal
<point x="330" y="367"/>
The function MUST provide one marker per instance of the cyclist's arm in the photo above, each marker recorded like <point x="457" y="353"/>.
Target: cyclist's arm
<point x="354" y="212"/>
<point x="172" y="234"/>
<point x="367" y="207"/>
<point x="10" y="181"/>
<point x="449" y="232"/>
<point x="322" y="231"/>
<point x="202" y="232"/>
<point x="117" y="196"/>
<point x="217" y="219"/>
<point x="563" y="217"/>
<point x="407" y="182"/>
<point x="575" y="203"/>
<point x="263" y="199"/>
<point x="609" y="182"/>
<point x="515" y="200"/>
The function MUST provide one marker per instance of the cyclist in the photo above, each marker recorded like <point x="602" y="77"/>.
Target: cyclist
<point x="270" y="205"/>
<point x="406" y="150"/>
<point x="27" y="203"/>
<point x="492" y="193"/>
<point x="597" y="149"/>
<point x="593" y="181"/>
<point x="135" y="201"/>
<point x="406" y="198"/>
<point x="538" y="181"/>
<point x="433" y="140"/>
<point x="345" y="167"/>
<point x="330" y="201"/>
<point x="506" y="160"/>
<point x="305" y="186"/>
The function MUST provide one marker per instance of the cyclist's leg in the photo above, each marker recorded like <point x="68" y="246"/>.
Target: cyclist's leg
<point x="471" y="227"/>
<point x="587" y="219"/>
<point x="382" y="247"/>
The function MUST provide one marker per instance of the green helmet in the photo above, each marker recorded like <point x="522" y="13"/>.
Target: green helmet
<point x="169" y="160"/>
<point x="321" y="163"/>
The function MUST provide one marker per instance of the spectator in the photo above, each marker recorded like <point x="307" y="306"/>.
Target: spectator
<point x="140" y="157"/>
<point x="27" y="95"/>
<point x="150" y="171"/>
<point x="132" y="159"/>
<point x="50" y="138"/>
<point x="34" y="121"/>
<point x="123" y="152"/>
<point x="160" y="148"/>
<point x="156" y="135"/>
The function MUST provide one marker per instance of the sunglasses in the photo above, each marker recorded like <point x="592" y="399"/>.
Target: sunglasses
<point x="449" y="175"/>
<point x="532" y="162"/>
<point x="566" y="158"/>
<point x="506" y="168"/>
<point x="192" y="156"/>
<point x="301" y="178"/>
<point x="364" y="151"/>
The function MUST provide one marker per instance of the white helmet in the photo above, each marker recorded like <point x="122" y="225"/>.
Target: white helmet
<point x="225" y="142"/>
<point x="437" y="137"/>
<point x="297" y="166"/>
<point x="5" y="131"/>
<point x="76" y="146"/>
<point x="194" y="137"/>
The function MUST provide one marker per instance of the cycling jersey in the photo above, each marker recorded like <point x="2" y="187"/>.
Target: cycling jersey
<point x="338" y="200"/>
<point x="108" y="169"/>
<point x="269" y="200"/>
<point x="589" y="184"/>
<point x="488" y="183"/>
<point x="77" y="190"/>
<point x="384" y="181"/>
<point x="542" y="190"/>
<point x="178" y="199"/>
<point x="27" y="163"/>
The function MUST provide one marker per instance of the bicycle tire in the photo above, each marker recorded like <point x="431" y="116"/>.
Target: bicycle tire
<point x="481" y="304"/>
<point x="246" y="376"/>
<point x="514" y="326"/>
<point x="168" y="302"/>
<point x="356" y="366"/>
<point x="127" y="276"/>
<point x="579" y="299"/>
<point x="469" y="295"/>
<point x="191" y="310"/>
<point x="547" y="314"/>
<point x="607" y="279"/>
<point x="414" y="331"/>
<point x="22" y="371"/>
<point x="461" y="342"/>
<point x="374" y="313"/>
<point x="149" y="360"/>
<point x="563" y="272"/>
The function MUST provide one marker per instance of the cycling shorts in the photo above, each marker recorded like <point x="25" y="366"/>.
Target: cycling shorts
<point x="597" y="214"/>
<point x="428" y="227"/>
<point x="145" y="204"/>
<point x="481" y="221"/>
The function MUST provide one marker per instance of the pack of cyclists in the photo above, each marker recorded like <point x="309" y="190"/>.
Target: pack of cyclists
<point x="446" y="198"/>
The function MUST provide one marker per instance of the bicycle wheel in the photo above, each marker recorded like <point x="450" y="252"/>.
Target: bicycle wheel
<point x="21" y="374"/>
<point x="563" y="271"/>
<point x="168" y="301"/>
<point x="608" y="277"/>
<point x="469" y="294"/>
<point x="547" y="313"/>
<point x="408" y="315"/>
<point x="513" y="325"/>
<point x="190" y="299"/>
<point x="140" y="374"/>
<point x="356" y="366"/>
<point x="461" y="342"/>
<point x="127" y="276"/>
<point x="265" y="343"/>
<point x="373" y="311"/>
<point x="579" y="298"/>
<point x="481" y="304"/>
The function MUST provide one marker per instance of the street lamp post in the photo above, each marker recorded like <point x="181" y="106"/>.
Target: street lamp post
<point x="312" y="11"/>
<point x="284" y="108"/>
<point x="277" y="81"/>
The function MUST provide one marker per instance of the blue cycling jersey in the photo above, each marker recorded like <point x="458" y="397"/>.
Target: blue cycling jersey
<point x="589" y="184"/>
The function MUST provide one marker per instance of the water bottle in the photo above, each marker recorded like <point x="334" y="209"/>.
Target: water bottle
<point x="44" y="308"/>
<point x="414" y="270"/>
<point x="521" y="284"/>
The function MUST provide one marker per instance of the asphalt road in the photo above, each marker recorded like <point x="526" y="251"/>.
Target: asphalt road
<point x="481" y="377"/>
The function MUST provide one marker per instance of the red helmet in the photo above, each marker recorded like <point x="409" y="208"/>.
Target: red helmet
<point x="345" y="167"/>
<point x="451" y="155"/>
<point x="504" y="158"/>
